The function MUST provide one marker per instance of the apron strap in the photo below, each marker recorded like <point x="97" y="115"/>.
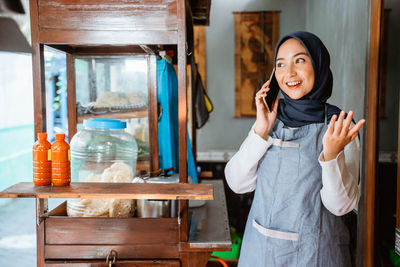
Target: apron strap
<point x="326" y="114"/>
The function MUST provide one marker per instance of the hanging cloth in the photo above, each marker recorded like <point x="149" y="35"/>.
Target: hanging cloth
<point x="202" y="104"/>
<point x="168" y="140"/>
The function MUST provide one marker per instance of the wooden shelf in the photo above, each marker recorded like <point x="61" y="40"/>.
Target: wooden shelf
<point x="117" y="115"/>
<point x="209" y="225"/>
<point x="112" y="190"/>
<point x="143" y="113"/>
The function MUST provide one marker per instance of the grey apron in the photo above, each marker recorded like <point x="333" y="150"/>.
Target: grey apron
<point x="288" y="225"/>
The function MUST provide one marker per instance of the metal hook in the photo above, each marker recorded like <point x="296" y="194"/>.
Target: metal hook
<point x="187" y="50"/>
<point x="113" y="254"/>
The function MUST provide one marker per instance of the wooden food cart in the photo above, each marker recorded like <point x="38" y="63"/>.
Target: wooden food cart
<point x="101" y="28"/>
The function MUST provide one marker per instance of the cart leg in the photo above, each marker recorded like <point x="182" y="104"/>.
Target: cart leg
<point x="190" y="259"/>
<point x="41" y="208"/>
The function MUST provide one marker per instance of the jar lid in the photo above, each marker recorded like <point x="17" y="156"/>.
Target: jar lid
<point x="104" y="123"/>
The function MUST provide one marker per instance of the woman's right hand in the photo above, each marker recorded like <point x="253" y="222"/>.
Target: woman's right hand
<point x="264" y="119"/>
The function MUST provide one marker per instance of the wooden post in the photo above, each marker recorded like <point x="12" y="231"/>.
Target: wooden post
<point x="39" y="106"/>
<point x="41" y="208"/>
<point x="182" y="102"/>
<point x="153" y="119"/>
<point x="71" y="99"/>
<point x="398" y="175"/>
<point x="372" y="127"/>
<point x="39" y="90"/>
<point x="182" y="116"/>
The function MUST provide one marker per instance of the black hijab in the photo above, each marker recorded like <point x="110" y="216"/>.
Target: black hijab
<point x="311" y="107"/>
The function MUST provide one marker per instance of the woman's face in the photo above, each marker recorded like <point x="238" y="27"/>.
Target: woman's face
<point x="294" y="71"/>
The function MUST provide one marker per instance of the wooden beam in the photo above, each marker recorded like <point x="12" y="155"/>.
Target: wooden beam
<point x="182" y="115"/>
<point x="153" y="116"/>
<point x="81" y="37"/>
<point x="142" y="251"/>
<point x="39" y="91"/>
<point x="372" y="128"/>
<point x="41" y="208"/>
<point x="108" y="15"/>
<point x="107" y="50"/>
<point x="71" y="96"/>
<point x="398" y="175"/>
<point x="182" y="101"/>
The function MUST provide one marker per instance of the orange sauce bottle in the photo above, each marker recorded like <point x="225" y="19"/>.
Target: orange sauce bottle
<point x="41" y="160"/>
<point x="60" y="162"/>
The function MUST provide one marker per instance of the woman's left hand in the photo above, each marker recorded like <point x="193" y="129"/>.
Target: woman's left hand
<point x="339" y="135"/>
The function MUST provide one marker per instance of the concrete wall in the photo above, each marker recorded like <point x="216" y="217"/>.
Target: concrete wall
<point x="15" y="156"/>
<point x="343" y="27"/>
<point x="16" y="100"/>
<point x="389" y="125"/>
<point x="223" y="131"/>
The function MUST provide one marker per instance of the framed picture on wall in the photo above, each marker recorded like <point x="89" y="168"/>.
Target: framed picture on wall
<point x="256" y="34"/>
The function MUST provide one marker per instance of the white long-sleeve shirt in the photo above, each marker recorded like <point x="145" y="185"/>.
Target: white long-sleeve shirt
<point x="340" y="192"/>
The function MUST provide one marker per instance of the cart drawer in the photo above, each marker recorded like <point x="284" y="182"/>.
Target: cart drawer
<point x="94" y="238"/>
<point x="140" y="251"/>
<point x="110" y="231"/>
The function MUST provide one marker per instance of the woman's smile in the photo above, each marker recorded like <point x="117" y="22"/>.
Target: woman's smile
<point x="293" y="85"/>
<point x="294" y="69"/>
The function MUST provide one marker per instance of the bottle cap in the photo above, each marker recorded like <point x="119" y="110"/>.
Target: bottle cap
<point x="42" y="136"/>
<point x="60" y="136"/>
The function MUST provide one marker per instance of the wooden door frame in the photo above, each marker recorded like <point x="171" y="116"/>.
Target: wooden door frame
<point x="370" y="156"/>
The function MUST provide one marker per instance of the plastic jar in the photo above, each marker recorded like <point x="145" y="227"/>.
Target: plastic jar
<point x="101" y="143"/>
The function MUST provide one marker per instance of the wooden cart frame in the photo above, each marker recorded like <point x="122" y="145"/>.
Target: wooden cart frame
<point x="112" y="27"/>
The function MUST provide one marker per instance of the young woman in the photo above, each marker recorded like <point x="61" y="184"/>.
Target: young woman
<point x="302" y="160"/>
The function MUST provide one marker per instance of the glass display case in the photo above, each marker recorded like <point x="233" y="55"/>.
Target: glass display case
<point x="116" y="87"/>
<point x="107" y="86"/>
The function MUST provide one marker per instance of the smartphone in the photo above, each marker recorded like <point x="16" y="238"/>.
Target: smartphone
<point x="273" y="92"/>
